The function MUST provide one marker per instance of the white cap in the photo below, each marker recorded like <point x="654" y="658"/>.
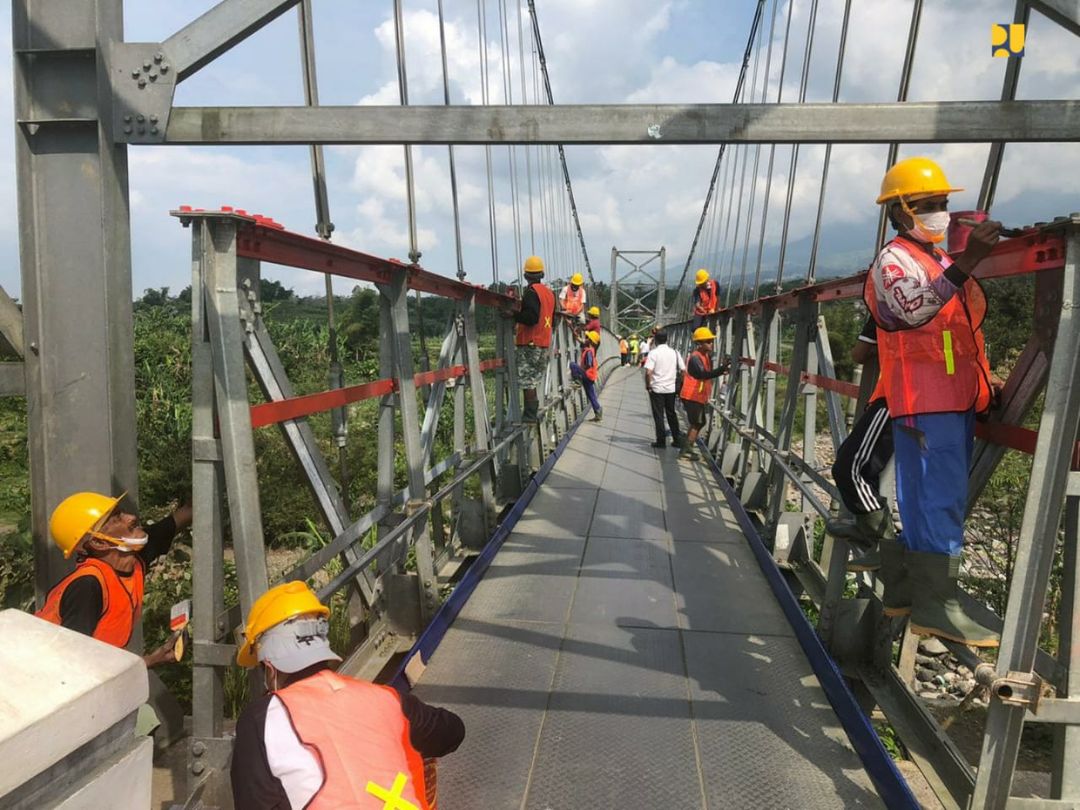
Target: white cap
<point x="296" y="644"/>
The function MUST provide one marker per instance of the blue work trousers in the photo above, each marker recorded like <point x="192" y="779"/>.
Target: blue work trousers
<point x="933" y="456"/>
<point x="578" y="373"/>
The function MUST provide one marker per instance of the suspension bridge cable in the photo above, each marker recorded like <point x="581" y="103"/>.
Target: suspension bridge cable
<point x="324" y="227"/>
<point x="528" y="149"/>
<point x="481" y="27"/>
<point x="450" y="149"/>
<point x="562" y="152"/>
<point x="403" y="92"/>
<point x="772" y="154"/>
<point x="742" y="186"/>
<point x="720" y="152"/>
<point x="901" y="95"/>
<point x="793" y="166"/>
<point x="757" y="150"/>
<point x="811" y="272"/>
<point x="511" y="153"/>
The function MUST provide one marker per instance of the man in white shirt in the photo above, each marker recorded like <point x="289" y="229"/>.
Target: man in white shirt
<point x="662" y="368"/>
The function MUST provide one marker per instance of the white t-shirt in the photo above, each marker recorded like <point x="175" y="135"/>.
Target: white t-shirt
<point x="664" y="363"/>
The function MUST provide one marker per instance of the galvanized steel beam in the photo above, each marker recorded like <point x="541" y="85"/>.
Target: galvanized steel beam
<point x="921" y="122"/>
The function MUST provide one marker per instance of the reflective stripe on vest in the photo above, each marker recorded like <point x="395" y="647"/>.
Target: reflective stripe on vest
<point x="694" y="389"/>
<point x="709" y="298"/>
<point x="572" y="301"/>
<point x="591" y="372"/>
<point x="360" y="736"/>
<point x="941" y="366"/>
<point x="121" y="600"/>
<point x="539" y="333"/>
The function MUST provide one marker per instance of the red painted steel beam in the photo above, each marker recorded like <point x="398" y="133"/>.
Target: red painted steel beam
<point x="270" y="413"/>
<point x="263" y="241"/>
<point x="1016" y="438"/>
<point x="282" y="410"/>
<point x="847" y="389"/>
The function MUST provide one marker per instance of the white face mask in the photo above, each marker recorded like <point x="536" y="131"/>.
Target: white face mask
<point x="930" y="227"/>
<point x="131" y="544"/>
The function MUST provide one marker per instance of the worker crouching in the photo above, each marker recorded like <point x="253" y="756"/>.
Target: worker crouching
<point x="586" y="372"/>
<point x="320" y="740"/>
<point x="572" y="297"/>
<point x="935" y="376"/>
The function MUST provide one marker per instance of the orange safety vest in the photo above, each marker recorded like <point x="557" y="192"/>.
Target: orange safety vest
<point x="941" y="366"/>
<point x="624" y="347"/>
<point x="360" y="736"/>
<point x="572" y="301"/>
<point x="539" y="333"/>
<point x="121" y="598"/>
<point x="694" y="389"/>
<point x="709" y="298"/>
<point x="591" y="371"/>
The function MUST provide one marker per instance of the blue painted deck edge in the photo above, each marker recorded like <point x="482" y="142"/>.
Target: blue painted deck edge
<point x="433" y="634"/>
<point x="890" y="784"/>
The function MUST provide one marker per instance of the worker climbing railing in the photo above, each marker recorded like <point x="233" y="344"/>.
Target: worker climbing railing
<point x="782" y="342"/>
<point x="395" y="558"/>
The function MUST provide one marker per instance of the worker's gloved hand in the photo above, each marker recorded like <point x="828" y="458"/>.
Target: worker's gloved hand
<point x="997" y="385"/>
<point x="980" y="242"/>
<point x="165" y="654"/>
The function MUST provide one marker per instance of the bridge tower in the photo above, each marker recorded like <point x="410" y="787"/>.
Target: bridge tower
<point x="637" y="297"/>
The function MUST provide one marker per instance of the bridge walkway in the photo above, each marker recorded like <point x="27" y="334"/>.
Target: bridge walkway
<point x="625" y="650"/>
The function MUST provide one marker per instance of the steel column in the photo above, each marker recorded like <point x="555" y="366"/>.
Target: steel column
<point x="1038" y="537"/>
<point x="74" y="250"/>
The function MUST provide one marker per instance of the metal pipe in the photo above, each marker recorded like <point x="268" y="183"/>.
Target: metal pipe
<point x="403" y="91"/>
<point x="450" y="150"/>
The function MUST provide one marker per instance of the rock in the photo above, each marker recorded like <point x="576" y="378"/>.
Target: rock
<point x="924" y="660"/>
<point x="924" y="675"/>
<point x="931" y="646"/>
<point x="964" y="671"/>
<point x="950" y="677"/>
<point x="939" y="680"/>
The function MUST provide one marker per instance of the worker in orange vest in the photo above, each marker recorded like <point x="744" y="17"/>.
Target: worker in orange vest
<point x="320" y="740"/>
<point x="706" y="296"/>
<point x="936" y="378"/>
<point x="586" y="371"/>
<point x="572" y="298"/>
<point x="103" y="596"/>
<point x="697" y="386"/>
<point x="593" y="323"/>
<point x="532" y="339"/>
<point x="624" y="351"/>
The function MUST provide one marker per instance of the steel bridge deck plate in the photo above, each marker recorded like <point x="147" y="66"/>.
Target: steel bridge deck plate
<point x="624" y="650"/>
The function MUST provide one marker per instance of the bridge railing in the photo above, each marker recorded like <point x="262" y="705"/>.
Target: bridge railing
<point x="393" y="558"/>
<point x="755" y="435"/>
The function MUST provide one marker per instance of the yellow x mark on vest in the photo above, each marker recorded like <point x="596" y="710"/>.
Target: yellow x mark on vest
<point x="392" y="797"/>
<point x="547" y="322"/>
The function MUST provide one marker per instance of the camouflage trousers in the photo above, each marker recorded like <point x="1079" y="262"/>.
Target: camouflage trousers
<point x="532" y="364"/>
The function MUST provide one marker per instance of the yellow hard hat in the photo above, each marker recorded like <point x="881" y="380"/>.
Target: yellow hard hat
<point x="703" y="333"/>
<point x="701" y="276"/>
<point x="534" y="264"/>
<point x="914" y="179"/>
<point x="277" y="605"/>
<point x="594" y="311"/>
<point x="78" y="515"/>
<point x="577" y="279"/>
<point x="593" y="336"/>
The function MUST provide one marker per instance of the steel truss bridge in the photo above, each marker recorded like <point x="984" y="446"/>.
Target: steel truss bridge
<point x="623" y="628"/>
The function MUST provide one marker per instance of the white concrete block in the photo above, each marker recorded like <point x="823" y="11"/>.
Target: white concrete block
<point x="123" y="784"/>
<point x="58" y="690"/>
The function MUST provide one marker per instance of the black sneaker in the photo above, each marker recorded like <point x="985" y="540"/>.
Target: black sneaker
<point x="659" y="444"/>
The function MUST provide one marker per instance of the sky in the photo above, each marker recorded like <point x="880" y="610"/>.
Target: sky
<point x="598" y="51"/>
